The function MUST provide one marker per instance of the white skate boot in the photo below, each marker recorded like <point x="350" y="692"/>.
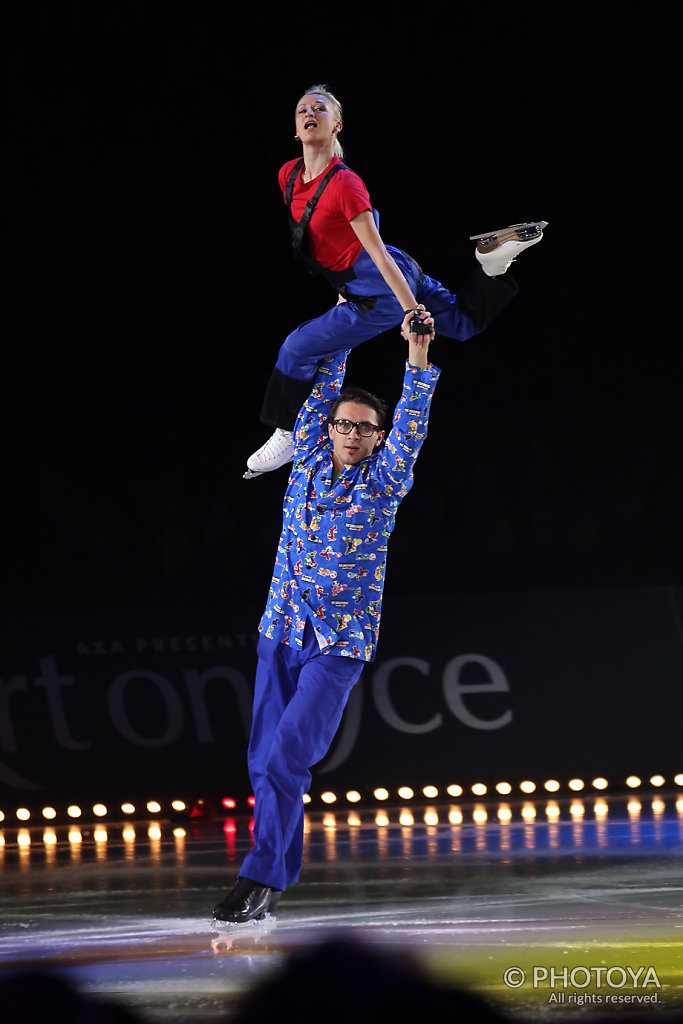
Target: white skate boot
<point x="497" y="249"/>
<point x="277" y="451"/>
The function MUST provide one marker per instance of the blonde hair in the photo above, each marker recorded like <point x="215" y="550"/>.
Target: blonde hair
<point x="322" y="90"/>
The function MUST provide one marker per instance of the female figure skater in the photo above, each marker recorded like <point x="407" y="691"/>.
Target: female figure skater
<point x="335" y="231"/>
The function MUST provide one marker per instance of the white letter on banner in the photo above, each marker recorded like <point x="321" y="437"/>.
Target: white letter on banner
<point x="196" y="685"/>
<point x="53" y="683"/>
<point x="453" y="690"/>
<point x="8" y="740"/>
<point x="174" y="708"/>
<point x="380" y="692"/>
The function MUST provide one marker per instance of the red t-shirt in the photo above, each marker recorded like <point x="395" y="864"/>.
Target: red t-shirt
<point x="330" y="239"/>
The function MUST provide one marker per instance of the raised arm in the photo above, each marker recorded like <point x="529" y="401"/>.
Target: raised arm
<point x="409" y="429"/>
<point x="311" y="423"/>
<point x="418" y="349"/>
<point x="371" y="240"/>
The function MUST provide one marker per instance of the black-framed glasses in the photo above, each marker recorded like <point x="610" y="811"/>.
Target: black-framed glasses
<point x="364" y="428"/>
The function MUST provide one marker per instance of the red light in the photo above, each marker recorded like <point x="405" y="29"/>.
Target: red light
<point x="251" y="801"/>
<point x="229" y="826"/>
<point x="229" y="803"/>
<point x="203" y="810"/>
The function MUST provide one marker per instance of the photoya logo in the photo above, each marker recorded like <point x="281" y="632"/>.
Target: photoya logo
<point x="580" y="977"/>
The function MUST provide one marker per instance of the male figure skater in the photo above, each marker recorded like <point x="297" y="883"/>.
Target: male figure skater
<point x="321" y="621"/>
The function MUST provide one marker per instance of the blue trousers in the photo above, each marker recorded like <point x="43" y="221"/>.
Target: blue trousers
<point x="299" y="698"/>
<point x="345" y="326"/>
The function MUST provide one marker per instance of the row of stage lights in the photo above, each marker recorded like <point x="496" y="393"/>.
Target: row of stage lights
<point x="504" y="789"/>
<point x="74" y="812"/>
<point x="530" y="814"/>
<point x="480" y="814"/>
<point x="180" y="808"/>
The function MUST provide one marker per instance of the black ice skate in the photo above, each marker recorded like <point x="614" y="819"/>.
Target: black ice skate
<point x="247" y="901"/>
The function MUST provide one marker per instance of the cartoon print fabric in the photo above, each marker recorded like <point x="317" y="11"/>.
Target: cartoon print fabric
<point x="332" y="552"/>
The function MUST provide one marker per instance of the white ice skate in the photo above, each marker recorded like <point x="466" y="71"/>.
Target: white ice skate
<point x="277" y="451"/>
<point x="497" y="249"/>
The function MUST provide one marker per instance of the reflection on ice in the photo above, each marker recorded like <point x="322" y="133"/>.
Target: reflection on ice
<point x="125" y="909"/>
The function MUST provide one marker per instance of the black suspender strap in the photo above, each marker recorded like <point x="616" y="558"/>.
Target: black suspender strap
<point x="290" y="182"/>
<point x="338" y="279"/>
<point x="298" y="227"/>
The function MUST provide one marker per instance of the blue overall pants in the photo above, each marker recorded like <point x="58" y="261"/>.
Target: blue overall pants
<point x="347" y="325"/>
<point x="299" y="698"/>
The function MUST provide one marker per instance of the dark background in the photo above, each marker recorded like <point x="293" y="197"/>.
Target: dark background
<point x="150" y="285"/>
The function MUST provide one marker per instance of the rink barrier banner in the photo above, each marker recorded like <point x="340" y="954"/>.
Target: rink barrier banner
<point x="465" y="688"/>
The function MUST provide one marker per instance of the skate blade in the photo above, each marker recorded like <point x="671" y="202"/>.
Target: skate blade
<point x="251" y="473"/>
<point x="522" y="232"/>
<point x="228" y="937"/>
<point x="257" y="925"/>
